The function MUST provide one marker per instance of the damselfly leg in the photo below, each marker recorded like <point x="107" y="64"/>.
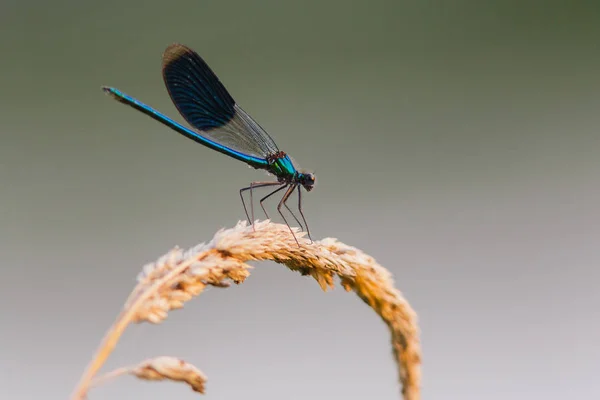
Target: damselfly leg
<point x="281" y="203"/>
<point x="252" y="186"/>
<point x="286" y="206"/>
<point x="269" y="195"/>
<point x="294" y="215"/>
<point x="302" y="214"/>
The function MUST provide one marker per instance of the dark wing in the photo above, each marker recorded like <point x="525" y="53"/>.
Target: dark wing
<point x="206" y="105"/>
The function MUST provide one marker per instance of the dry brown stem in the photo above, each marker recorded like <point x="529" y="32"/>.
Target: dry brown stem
<point x="180" y="275"/>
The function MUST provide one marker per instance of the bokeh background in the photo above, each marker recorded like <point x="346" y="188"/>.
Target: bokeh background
<point x="456" y="142"/>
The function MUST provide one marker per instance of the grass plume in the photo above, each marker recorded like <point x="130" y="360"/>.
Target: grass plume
<point x="179" y="275"/>
<point x="158" y="369"/>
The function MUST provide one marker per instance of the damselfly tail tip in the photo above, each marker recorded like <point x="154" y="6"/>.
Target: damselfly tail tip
<point x="114" y="93"/>
<point x="109" y="90"/>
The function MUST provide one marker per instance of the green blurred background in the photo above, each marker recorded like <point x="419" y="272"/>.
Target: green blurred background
<point x="456" y="142"/>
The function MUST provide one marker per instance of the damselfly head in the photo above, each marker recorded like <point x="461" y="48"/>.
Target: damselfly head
<point x="307" y="180"/>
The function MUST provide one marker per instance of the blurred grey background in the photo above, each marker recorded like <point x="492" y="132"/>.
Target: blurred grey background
<point x="456" y="142"/>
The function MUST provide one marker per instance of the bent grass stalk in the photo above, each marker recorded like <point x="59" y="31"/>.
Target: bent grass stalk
<point x="179" y="275"/>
